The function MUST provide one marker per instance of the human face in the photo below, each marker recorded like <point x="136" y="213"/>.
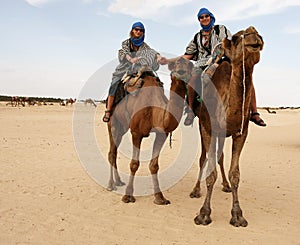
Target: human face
<point x="204" y="19"/>
<point x="137" y="32"/>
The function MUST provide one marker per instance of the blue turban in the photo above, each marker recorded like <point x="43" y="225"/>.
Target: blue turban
<point x="138" y="41"/>
<point x="212" y="18"/>
<point x="138" y="24"/>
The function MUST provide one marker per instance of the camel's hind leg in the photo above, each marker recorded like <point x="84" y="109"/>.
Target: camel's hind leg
<point x="153" y="166"/>
<point x="134" y="165"/>
<point x="237" y="218"/>
<point x="204" y="217"/>
<point x="115" y="136"/>
<point x="226" y="186"/>
<point x="196" y="190"/>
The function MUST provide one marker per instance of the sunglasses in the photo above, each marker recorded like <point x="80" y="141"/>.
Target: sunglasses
<point x="204" y="16"/>
<point x="138" y="29"/>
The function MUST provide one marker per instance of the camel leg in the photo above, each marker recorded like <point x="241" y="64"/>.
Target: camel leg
<point x="226" y="186"/>
<point x="204" y="217"/>
<point x="196" y="190"/>
<point x="134" y="165"/>
<point x="115" y="137"/>
<point x="225" y="183"/>
<point x="237" y="218"/>
<point x="154" y="167"/>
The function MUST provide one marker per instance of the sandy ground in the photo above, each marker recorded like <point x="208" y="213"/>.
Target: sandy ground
<point x="47" y="197"/>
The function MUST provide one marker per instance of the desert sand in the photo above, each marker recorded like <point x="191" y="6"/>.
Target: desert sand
<point x="47" y="196"/>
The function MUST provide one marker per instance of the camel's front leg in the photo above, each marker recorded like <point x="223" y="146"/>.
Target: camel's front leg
<point x="134" y="165"/>
<point x="153" y="166"/>
<point x="237" y="218"/>
<point x="115" y="137"/>
<point x="204" y="217"/>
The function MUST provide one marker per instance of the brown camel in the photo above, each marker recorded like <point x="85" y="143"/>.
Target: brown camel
<point x="226" y="112"/>
<point x="70" y="101"/>
<point x="16" y="101"/>
<point x="147" y="111"/>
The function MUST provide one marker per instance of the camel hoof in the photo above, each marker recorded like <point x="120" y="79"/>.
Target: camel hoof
<point x="108" y="188"/>
<point x="226" y="188"/>
<point x="111" y="187"/>
<point x="202" y="219"/>
<point x="128" y="199"/>
<point x="195" y="193"/>
<point x="119" y="183"/>
<point x="238" y="221"/>
<point x="160" y="201"/>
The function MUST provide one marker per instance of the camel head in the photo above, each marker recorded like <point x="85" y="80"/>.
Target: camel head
<point x="244" y="45"/>
<point x="181" y="69"/>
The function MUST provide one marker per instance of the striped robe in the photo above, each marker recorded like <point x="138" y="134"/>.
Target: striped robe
<point x="147" y="56"/>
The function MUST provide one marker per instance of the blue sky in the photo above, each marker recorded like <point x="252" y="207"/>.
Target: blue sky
<point x="52" y="48"/>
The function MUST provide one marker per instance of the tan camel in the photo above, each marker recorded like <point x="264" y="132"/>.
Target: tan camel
<point x="147" y="111"/>
<point x="90" y="102"/>
<point x="226" y="112"/>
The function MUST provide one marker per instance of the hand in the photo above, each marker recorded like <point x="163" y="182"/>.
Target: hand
<point x="134" y="60"/>
<point x="162" y="60"/>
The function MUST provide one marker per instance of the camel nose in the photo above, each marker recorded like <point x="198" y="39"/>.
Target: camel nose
<point x="181" y="72"/>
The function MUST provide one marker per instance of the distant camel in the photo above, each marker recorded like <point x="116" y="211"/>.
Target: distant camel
<point x="233" y="83"/>
<point x="70" y="101"/>
<point x="147" y="111"/>
<point x="25" y="100"/>
<point x="269" y="110"/>
<point x="16" y="101"/>
<point x="90" y="102"/>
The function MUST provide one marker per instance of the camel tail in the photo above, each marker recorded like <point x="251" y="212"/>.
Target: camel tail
<point x="170" y="141"/>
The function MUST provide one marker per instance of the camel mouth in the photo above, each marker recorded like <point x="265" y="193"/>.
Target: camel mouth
<point x="181" y="72"/>
<point x="254" y="47"/>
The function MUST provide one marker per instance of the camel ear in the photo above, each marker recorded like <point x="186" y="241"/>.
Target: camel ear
<point x="171" y="65"/>
<point x="226" y="43"/>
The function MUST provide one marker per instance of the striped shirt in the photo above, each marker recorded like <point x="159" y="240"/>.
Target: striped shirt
<point x="201" y="53"/>
<point x="147" y="56"/>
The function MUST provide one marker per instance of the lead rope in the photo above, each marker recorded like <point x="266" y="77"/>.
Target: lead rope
<point x="244" y="86"/>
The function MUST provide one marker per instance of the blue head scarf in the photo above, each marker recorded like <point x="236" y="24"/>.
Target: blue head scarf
<point x="138" y="41"/>
<point x="212" y="18"/>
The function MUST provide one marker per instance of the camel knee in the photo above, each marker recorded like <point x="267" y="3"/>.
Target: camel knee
<point x="234" y="178"/>
<point x="112" y="158"/>
<point x="134" y="165"/>
<point x="154" y="168"/>
<point x="211" y="179"/>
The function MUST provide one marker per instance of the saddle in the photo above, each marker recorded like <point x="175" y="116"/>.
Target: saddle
<point x="134" y="81"/>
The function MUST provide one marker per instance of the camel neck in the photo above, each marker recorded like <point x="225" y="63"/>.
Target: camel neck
<point x="174" y="108"/>
<point x="239" y="98"/>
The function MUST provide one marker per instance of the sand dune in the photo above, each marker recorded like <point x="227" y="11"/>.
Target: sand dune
<point x="47" y="197"/>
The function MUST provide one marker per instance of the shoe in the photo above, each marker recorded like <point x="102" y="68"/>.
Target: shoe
<point x="257" y="120"/>
<point x="105" y="117"/>
<point x="189" y="119"/>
